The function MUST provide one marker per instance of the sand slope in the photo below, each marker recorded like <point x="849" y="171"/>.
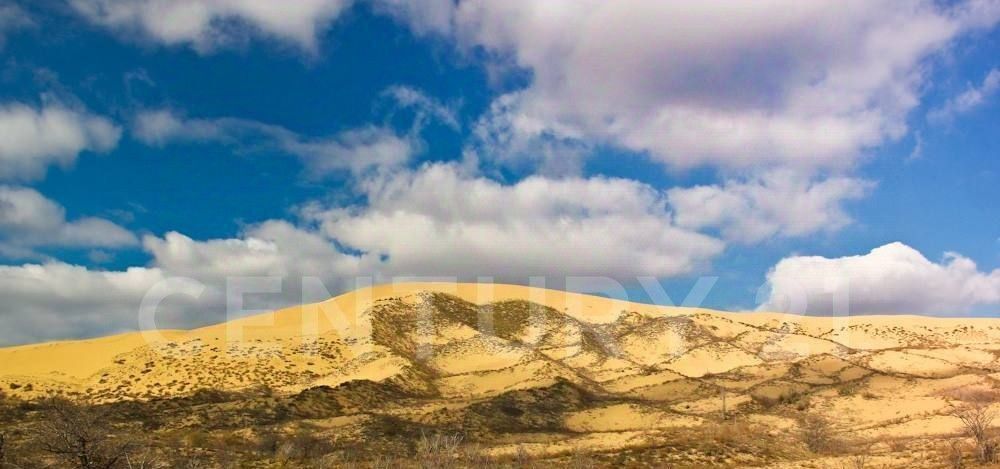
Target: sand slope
<point x="458" y="343"/>
<point x="469" y="336"/>
<point x="471" y="349"/>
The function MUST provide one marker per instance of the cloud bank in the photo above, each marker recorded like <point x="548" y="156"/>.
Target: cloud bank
<point x="433" y="221"/>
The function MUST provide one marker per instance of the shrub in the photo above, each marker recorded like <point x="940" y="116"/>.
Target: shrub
<point x="438" y="451"/>
<point x="80" y="436"/>
<point x="816" y="432"/>
<point x="581" y="460"/>
<point x="304" y="446"/>
<point x="848" y="389"/>
<point x="954" y="456"/>
<point x="977" y="418"/>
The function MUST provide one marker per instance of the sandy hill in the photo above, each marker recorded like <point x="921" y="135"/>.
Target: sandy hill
<point x="602" y="373"/>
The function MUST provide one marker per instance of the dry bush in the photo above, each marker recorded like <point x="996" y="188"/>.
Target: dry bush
<point x="862" y="455"/>
<point x="474" y="456"/>
<point x="858" y="461"/>
<point x="346" y="460"/>
<point x="384" y="462"/>
<point x="80" y="436"/>
<point x="522" y="459"/>
<point x="268" y="443"/>
<point x="897" y="445"/>
<point x="977" y="419"/>
<point x="304" y="446"/>
<point x="438" y="451"/>
<point x="795" y="397"/>
<point x="954" y="456"/>
<point x="730" y="433"/>
<point x="849" y="389"/>
<point x="143" y="459"/>
<point x="816" y="432"/>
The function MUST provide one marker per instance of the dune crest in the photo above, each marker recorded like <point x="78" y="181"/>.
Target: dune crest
<point x="562" y="370"/>
<point x="484" y="339"/>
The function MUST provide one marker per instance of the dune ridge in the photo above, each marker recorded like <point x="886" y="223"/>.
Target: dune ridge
<point x="584" y="371"/>
<point x="459" y="337"/>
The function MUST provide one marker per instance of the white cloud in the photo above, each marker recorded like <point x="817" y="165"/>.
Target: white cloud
<point x="29" y="220"/>
<point x="58" y="300"/>
<point x="162" y="126"/>
<point x="776" y="203"/>
<point x="894" y="278"/>
<point x="972" y="98"/>
<point x="425" y="106"/>
<point x="32" y="139"/>
<point x="779" y="82"/>
<point x="422" y="16"/>
<point x="207" y="25"/>
<point x="356" y="150"/>
<point x="271" y="248"/>
<point x="437" y="221"/>
<point x="507" y="137"/>
<point x="12" y="18"/>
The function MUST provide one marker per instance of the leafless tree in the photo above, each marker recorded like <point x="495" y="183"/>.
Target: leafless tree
<point x="80" y="436"/>
<point x="977" y="418"/>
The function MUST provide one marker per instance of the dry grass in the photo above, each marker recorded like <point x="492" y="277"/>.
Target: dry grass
<point x="439" y="451"/>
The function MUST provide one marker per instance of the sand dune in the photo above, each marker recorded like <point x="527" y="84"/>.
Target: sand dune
<point x="662" y="368"/>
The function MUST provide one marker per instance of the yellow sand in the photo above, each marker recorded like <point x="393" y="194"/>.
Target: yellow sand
<point x="622" y="417"/>
<point x="330" y="342"/>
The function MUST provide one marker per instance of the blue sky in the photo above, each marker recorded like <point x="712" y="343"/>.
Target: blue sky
<point x="775" y="146"/>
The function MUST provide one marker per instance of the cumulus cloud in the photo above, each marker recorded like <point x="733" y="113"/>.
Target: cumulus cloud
<point x="437" y="221"/>
<point x="29" y="220"/>
<point x="59" y="300"/>
<point x="33" y="139"/>
<point x="273" y="248"/>
<point x="894" y="278"/>
<point x="972" y="98"/>
<point x="781" y="82"/>
<point x="776" y="203"/>
<point x="356" y="150"/>
<point x="207" y="25"/>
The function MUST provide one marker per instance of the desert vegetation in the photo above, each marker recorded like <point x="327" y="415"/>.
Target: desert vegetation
<point x="429" y="386"/>
<point x="225" y="429"/>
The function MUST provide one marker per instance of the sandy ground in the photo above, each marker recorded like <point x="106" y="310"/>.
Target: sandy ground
<point x="874" y="376"/>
